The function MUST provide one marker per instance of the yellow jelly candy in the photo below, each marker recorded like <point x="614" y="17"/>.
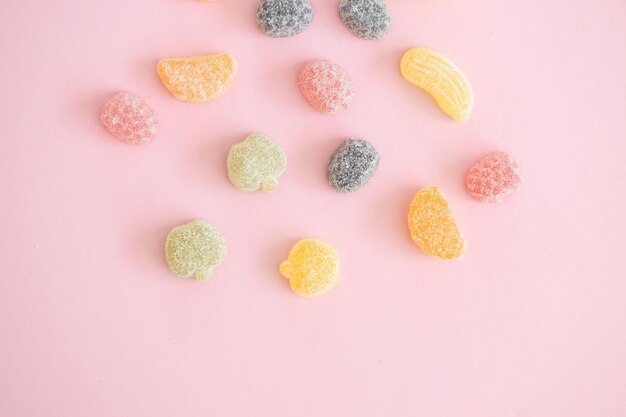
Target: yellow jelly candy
<point x="256" y="162"/>
<point x="198" y="78"/>
<point x="441" y="79"/>
<point x="195" y="249"/>
<point x="312" y="267"/>
<point x="432" y="226"/>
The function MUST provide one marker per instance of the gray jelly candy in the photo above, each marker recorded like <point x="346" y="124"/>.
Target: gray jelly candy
<point x="367" y="19"/>
<point x="282" y="18"/>
<point x="352" y="165"/>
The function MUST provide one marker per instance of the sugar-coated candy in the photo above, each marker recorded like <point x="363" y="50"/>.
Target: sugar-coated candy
<point x="195" y="249"/>
<point x="198" y="78"/>
<point x="352" y="165"/>
<point x="256" y="162"/>
<point x="283" y="18"/>
<point x="326" y="86"/>
<point x="439" y="77"/>
<point x="312" y="268"/>
<point x="367" y="19"/>
<point x="432" y="225"/>
<point x="129" y="118"/>
<point x="494" y="177"/>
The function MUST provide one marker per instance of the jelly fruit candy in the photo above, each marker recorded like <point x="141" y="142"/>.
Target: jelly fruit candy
<point x="432" y="225"/>
<point x="129" y="118"/>
<point x="326" y="86"/>
<point x="352" y="165"/>
<point x="198" y="78"/>
<point x="367" y="19"/>
<point x="283" y="18"/>
<point x="195" y="249"/>
<point x="440" y="78"/>
<point x="256" y="162"/>
<point x="312" y="268"/>
<point x="494" y="177"/>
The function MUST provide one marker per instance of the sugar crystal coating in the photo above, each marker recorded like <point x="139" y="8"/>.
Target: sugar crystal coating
<point x="439" y="77"/>
<point x="255" y="163"/>
<point x="326" y="86"/>
<point x="367" y="19"/>
<point x="198" y="78"/>
<point x="352" y="165"/>
<point x="283" y="18"/>
<point x="494" y="177"/>
<point x="195" y="249"/>
<point x="129" y="118"/>
<point x="432" y="225"/>
<point x="312" y="268"/>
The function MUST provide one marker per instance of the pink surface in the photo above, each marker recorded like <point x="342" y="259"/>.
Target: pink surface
<point x="530" y="323"/>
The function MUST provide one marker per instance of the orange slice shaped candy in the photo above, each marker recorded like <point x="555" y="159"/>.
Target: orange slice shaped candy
<point x="198" y="78"/>
<point x="432" y="226"/>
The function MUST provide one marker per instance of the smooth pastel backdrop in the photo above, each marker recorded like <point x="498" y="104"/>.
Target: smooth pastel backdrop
<point x="530" y="323"/>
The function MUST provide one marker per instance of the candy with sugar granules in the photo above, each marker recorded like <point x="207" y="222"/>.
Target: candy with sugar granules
<point x="282" y="18"/>
<point x="494" y="177"/>
<point x="439" y="77"/>
<point x="325" y="85"/>
<point x="312" y="267"/>
<point x="352" y="165"/>
<point x="129" y="118"/>
<point x="198" y="78"/>
<point x="256" y="162"/>
<point x="432" y="225"/>
<point x="367" y="19"/>
<point x="195" y="249"/>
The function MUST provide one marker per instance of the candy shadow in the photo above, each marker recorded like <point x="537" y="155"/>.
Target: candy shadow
<point x="148" y="248"/>
<point x="455" y="165"/>
<point x="312" y="160"/>
<point x="280" y="82"/>
<point x="85" y="109"/>
<point x="210" y="159"/>
<point x="390" y="214"/>
<point x="147" y="83"/>
<point x="272" y="256"/>
<point x="389" y="62"/>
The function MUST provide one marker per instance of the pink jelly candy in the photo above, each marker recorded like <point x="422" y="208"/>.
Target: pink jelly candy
<point x="494" y="177"/>
<point x="129" y="118"/>
<point x="325" y="85"/>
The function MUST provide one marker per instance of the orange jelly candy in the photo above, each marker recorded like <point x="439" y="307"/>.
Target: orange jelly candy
<point x="198" y="78"/>
<point x="432" y="225"/>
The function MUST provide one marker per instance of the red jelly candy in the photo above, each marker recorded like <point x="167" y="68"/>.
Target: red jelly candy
<point x="129" y="118"/>
<point x="494" y="177"/>
<point x="326" y="86"/>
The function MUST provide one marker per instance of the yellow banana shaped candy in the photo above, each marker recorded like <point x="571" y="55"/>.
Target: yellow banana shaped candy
<point x="440" y="78"/>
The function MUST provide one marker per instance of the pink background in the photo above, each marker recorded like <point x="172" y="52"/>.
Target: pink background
<point x="530" y="323"/>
